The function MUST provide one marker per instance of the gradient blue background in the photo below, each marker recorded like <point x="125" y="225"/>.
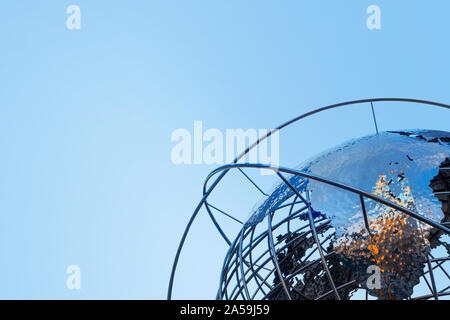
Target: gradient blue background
<point x="86" y="118"/>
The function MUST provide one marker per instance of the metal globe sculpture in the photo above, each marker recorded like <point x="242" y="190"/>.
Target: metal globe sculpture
<point x="367" y="219"/>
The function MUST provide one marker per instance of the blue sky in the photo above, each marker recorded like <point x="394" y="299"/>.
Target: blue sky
<point x="86" y="118"/>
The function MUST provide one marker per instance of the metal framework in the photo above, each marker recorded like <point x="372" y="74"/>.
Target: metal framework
<point x="255" y="270"/>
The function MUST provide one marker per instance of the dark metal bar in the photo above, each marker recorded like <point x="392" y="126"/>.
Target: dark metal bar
<point x="314" y="232"/>
<point x="213" y="219"/>
<point x="439" y="259"/>
<point x="343" y="286"/>
<point x="241" y="264"/>
<point x="289" y="221"/>
<point x="439" y="263"/>
<point x="366" y="220"/>
<point x="316" y="239"/>
<point x="186" y="231"/>
<point x="374" y="118"/>
<point x="256" y="242"/>
<point x="224" y="271"/>
<point x="259" y="239"/>
<point x="427" y="283"/>
<point x="223" y="212"/>
<point x="282" y="248"/>
<point x="274" y="258"/>
<point x="256" y="186"/>
<point x="298" y="271"/>
<point x="251" y="266"/>
<point x="238" y="279"/>
<point x="433" y="283"/>
<point x="445" y="289"/>
<point x="425" y="297"/>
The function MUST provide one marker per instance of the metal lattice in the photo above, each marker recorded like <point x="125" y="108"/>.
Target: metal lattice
<point x="290" y="255"/>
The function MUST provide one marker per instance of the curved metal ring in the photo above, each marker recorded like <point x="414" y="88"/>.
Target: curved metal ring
<point x="206" y="191"/>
